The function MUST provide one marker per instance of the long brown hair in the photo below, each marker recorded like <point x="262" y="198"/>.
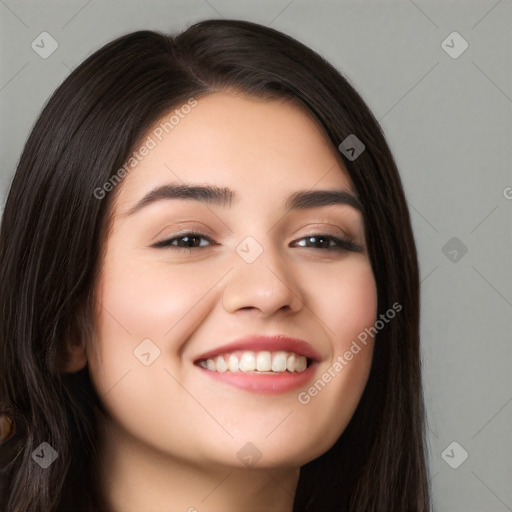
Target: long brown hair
<point x="54" y="229"/>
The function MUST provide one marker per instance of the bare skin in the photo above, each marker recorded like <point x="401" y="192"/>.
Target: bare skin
<point x="173" y="435"/>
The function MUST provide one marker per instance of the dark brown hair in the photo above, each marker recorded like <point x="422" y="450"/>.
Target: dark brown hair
<point x="54" y="229"/>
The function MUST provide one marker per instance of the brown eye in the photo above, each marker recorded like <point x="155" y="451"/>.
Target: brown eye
<point x="190" y="240"/>
<point x="329" y="243"/>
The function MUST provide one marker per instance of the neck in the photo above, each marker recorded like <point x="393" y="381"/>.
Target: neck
<point x="133" y="476"/>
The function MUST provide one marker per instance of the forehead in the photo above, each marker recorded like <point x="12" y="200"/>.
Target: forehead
<point x="259" y="147"/>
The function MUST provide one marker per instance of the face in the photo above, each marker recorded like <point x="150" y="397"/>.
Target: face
<point x="171" y="300"/>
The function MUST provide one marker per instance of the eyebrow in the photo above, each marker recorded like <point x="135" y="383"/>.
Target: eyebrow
<point x="224" y="196"/>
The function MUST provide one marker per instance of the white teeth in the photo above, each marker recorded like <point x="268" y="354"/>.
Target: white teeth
<point x="248" y="362"/>
<point x="221" y="364"/>
<point x="264" y="361"/>
<point x="290" y="363"/>
<point x="233" y="363"/>
<point x="279" y="362"/>
<point x="300" y="364"/>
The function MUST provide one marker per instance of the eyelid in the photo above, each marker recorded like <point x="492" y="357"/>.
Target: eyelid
<point x="320" y="227"/>
<point x="185" y="227"/>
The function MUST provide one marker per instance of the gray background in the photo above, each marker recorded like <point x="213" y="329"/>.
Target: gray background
<point x="448" y="122"/>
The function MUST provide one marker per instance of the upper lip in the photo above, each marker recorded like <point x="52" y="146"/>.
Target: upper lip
<point x="271" y="343"/>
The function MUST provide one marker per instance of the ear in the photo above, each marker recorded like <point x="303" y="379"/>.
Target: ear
<point x="74" y="357"/>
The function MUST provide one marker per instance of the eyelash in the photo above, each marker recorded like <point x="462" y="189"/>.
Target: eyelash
<point x="343" y="244"/>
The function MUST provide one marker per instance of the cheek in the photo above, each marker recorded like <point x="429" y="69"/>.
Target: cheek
<point x="348" y="310"/>
<point x="144" y="308"/>
<point x="151" y="300"/>
<point x="354" y="305"/>
<point x="344" y="300"/>
<point x="141" y="302"/>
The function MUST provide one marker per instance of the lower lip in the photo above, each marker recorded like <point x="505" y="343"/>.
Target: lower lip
<point x="264" y="383"/>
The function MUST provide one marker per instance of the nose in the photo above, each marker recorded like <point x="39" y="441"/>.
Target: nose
<point x="267" y="284"/>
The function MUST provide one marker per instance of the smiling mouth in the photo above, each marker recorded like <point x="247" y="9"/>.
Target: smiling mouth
<point x="257" y="362"/>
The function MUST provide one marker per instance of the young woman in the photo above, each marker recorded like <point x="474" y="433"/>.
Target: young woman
<point x="209" y="289"/>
